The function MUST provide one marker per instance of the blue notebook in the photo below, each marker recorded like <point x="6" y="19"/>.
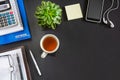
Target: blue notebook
<point x="21" y="35"/>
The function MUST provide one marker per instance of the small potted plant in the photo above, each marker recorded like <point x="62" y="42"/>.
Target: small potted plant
<point x="48" y="14"/>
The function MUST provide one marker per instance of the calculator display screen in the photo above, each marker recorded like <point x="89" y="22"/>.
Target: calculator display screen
<point x="2" y="0"/>
<point x="4" y="5"/>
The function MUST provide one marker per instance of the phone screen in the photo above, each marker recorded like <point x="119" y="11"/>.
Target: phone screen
<point x="94" y="10"/>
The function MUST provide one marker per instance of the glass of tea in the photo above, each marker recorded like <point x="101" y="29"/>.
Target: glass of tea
<point x="49" y="43"/>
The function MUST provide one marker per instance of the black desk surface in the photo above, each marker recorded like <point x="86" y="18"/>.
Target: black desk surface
<point x="88" y="51"/>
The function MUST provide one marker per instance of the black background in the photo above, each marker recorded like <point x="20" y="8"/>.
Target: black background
<point x="88" y="51"/>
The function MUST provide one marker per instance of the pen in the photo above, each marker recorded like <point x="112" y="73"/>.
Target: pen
<point x="38" y="70"/>
<point x="19" y="67"/>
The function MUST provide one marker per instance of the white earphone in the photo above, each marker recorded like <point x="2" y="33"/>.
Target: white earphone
<point x="107" y="12"/>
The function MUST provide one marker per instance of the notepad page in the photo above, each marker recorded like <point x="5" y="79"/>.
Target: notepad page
<point x="74" y="11"/>
<point x="5" y="73"/>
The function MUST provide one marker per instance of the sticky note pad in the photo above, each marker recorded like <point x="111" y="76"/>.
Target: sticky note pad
<point x="73" y="11"/>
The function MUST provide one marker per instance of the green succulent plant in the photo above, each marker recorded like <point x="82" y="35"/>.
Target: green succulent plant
<point x="48" y="14"/>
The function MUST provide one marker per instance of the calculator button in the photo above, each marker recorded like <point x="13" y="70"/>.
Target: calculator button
<point x="9" y="23"/>
<point x="12" y="17"/>
<point x="7" y="13"/>
<point x="8" y="19"/>
<point x="11" y="12"/>
<point x="6" y="24"/>
<point x="5" y="21"/>
<point x="2" y="25"/>
<point x="3" y="15"/>
<point x="14" y="22"/>
<point x="1" y="21"/>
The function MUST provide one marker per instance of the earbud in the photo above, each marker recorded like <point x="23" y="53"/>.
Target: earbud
<point x="107" y="12"/>
<point x="105" y="21"/>
<point x="111" y="24"/>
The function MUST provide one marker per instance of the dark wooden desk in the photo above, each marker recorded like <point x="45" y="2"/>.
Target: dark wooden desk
<point x="88" y="51"/>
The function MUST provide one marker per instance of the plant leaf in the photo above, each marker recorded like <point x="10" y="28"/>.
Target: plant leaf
<point x="48" y="14"/>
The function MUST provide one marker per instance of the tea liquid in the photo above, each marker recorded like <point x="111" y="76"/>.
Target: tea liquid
<point x="49" y="43"/>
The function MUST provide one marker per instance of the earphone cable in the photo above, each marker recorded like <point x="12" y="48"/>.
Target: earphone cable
<point x="108" y="9"/>
<point x="112" y="10"/>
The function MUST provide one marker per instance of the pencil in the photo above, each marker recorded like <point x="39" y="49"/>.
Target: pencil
<point x="38" y="70"/>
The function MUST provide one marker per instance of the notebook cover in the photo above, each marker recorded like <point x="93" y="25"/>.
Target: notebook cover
<point x="21" y="35"/>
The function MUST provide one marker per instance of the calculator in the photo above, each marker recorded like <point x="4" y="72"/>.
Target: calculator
<point x="10" y="19"/>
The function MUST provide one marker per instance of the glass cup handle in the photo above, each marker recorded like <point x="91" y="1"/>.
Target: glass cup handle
<point x="44" y="54"/>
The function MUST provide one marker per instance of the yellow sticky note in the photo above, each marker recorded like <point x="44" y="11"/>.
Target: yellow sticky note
<point x="73" y="11"/>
